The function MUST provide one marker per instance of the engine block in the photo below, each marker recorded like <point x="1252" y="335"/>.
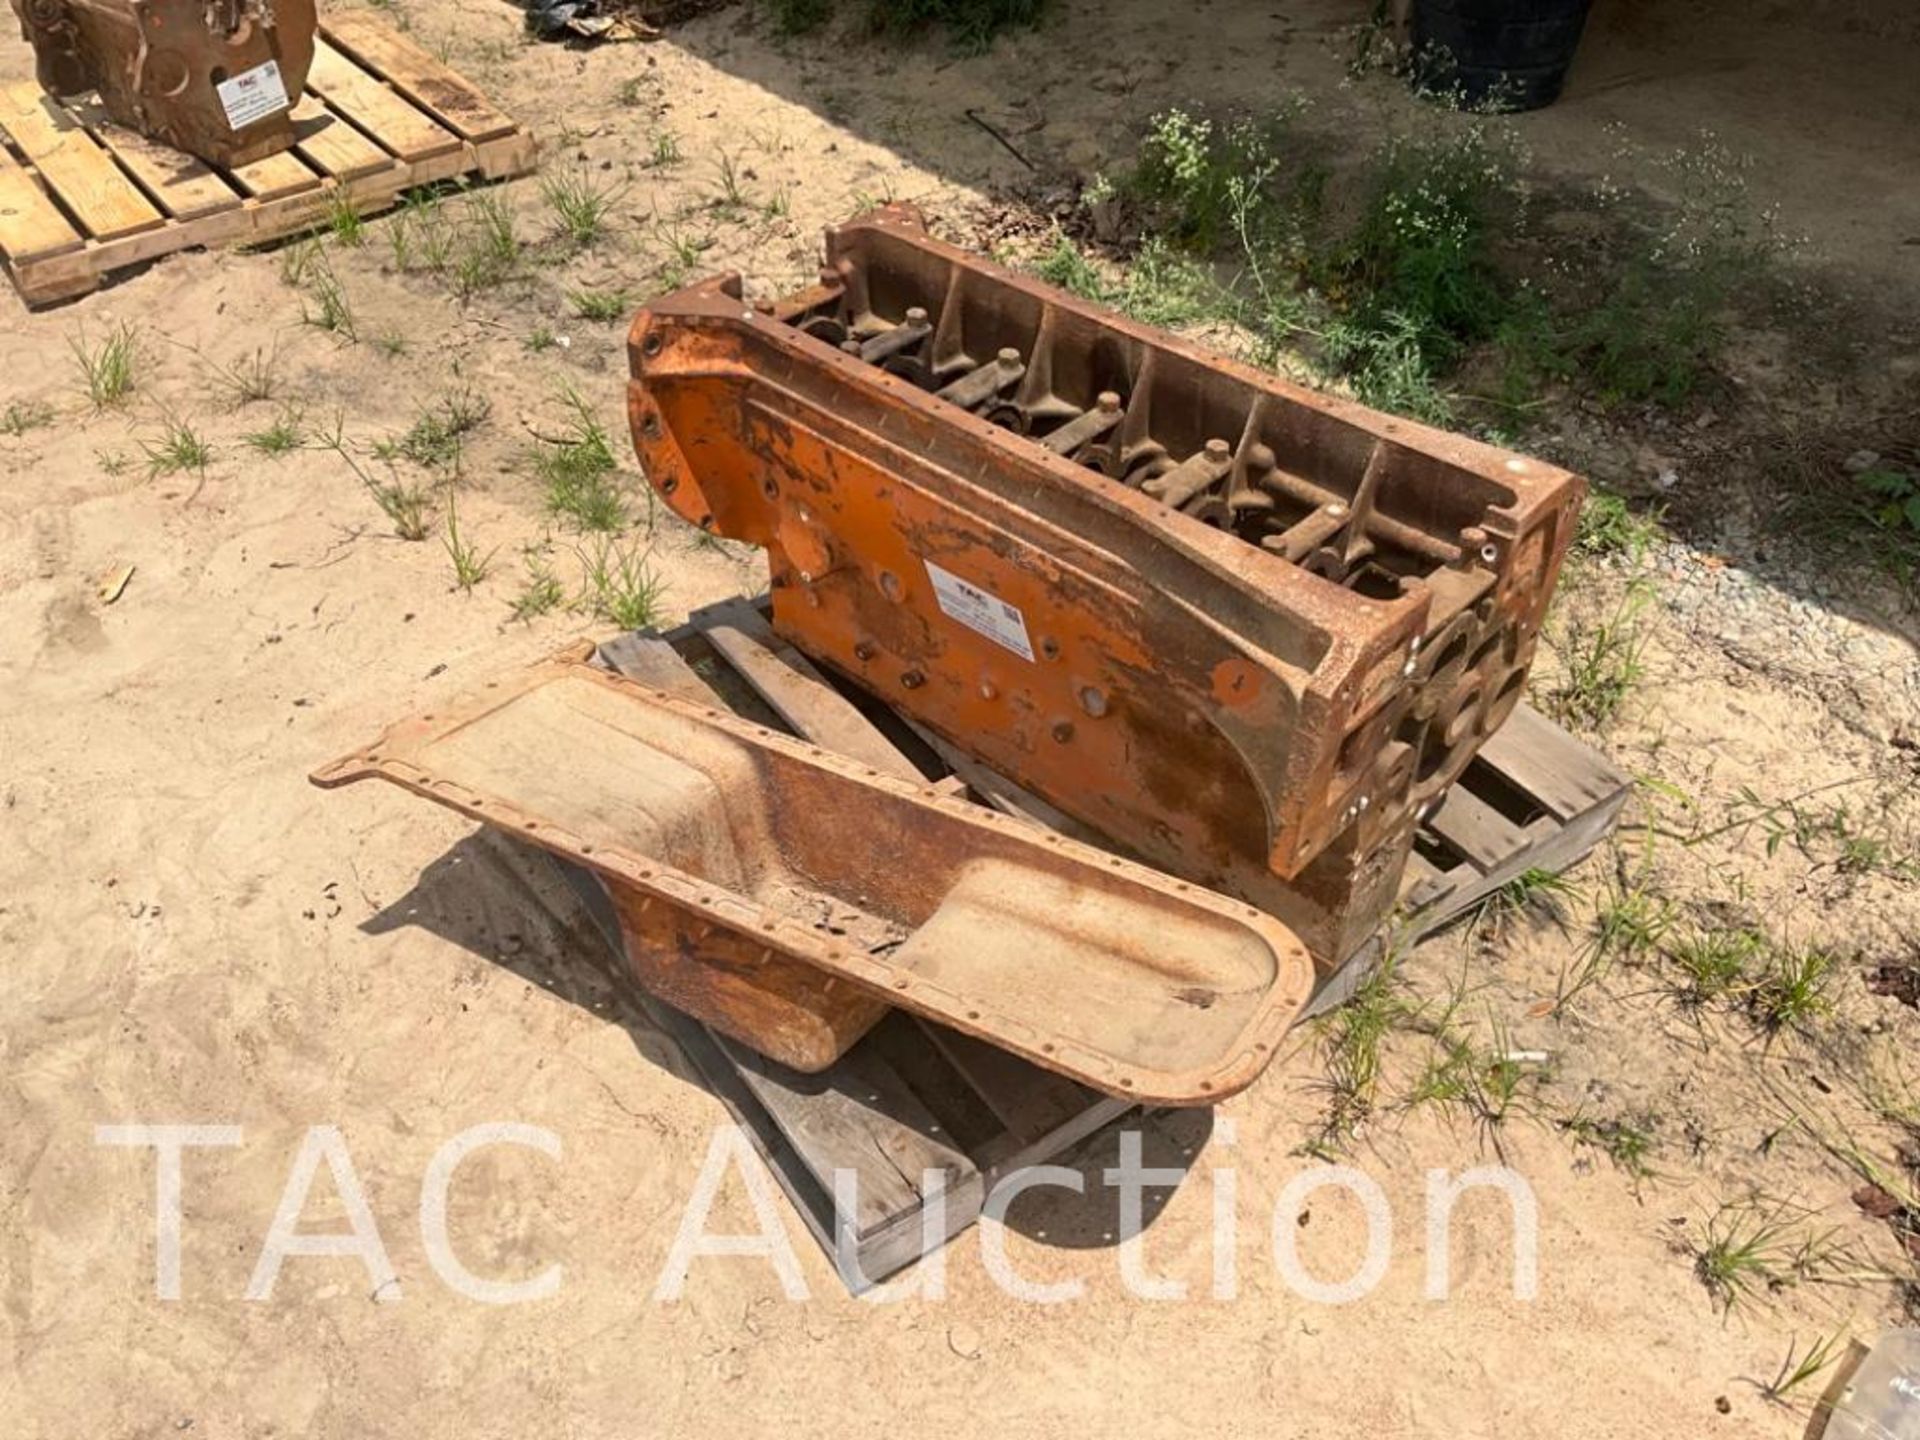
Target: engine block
<point x="1245" y="630"/>
<point x="215" y="78"/>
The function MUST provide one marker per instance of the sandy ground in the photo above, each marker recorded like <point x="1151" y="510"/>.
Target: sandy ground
<point x="191" y="933"/>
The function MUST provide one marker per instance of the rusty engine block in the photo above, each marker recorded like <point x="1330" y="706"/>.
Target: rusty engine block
<point x="215" y="78"/>
<point x="1245" y="631"/>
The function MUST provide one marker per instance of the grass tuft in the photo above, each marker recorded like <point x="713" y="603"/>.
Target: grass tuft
<point x="541" y="592"/>
<point x="344" y="220"/>
<point x="178" y="448"/>
<point x="1798" y="1369"/>
<point x="107" y="369"/>
<point x="1602" y="660"/>
<point x="252" y="378"/>
<point x="602" y="306"/>
<point x="582" y="203"/>
<point x="469" y="565"/>
<point x="1715" y="963"/>
<point x="1795" y="988"/>
<point x="331" y="310"/>
<point x="620" y="585"/>
<point x="435" y="439"/>
<point x="577" y="470"/>
<point x="24" y="415"/>
<point x="280" y="438"/>
<point x="1610" y="527"/>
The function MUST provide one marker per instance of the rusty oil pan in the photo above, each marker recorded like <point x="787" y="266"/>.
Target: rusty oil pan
<point x="788" y="896"/>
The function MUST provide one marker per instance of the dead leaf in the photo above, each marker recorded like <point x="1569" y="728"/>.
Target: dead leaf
<point x="115" y="583"/>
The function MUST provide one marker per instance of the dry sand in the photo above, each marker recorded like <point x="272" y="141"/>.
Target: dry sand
<point x="190" y="933"/>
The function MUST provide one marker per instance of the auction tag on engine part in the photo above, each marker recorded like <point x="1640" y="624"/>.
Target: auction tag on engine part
<point x="253" y="95"/>
<point x="981" y="612"/>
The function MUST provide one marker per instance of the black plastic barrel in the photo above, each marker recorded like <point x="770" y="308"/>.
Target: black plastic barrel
<point x="1508" y="54"/>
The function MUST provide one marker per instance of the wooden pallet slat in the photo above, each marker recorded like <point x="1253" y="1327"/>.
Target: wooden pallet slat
<point x="31" y="225"/>
<point x="799" y="693"/>
<point x="1475" y="828"/>
<point x="1539" y="758"/>
<point x="1032" y="1104"/>
<point x="182" y="185"/>
<point x="862" y="1119"/>
<point x="273" y="177"/>
<point x="331" y="145"/>
<point x="74" y="165"/>
<point x="451" y="98"/>
<point x="400" y="126"/>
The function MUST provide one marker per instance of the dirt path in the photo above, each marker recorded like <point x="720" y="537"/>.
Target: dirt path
<point x="191" y="933"/>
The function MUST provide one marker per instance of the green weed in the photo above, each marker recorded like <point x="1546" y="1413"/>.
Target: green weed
<point x="620" y="585"/>
<point x="179" y="447"/>
<point x="601" y="306"/>
<point x="578" y="472"/>
<point x="1743" y="1250"/>
<point x="732" y="191"/>
<point x="685" y="249"/>
<point x="343" y="219"/>
<point x="435" y="439"/>
<point x="1169" y="289"/>
<point x="1795" y="988"/>
<point x="107" y="369"/>
<point x="1064" y="266"/>
<point x="1353" y="1037"/>
<point x="1894" y="502"/>
<point x="1750" y="1248"/>
<point x="665" y="150"/>
<point x="1628" y="1143"/>
<point x="1715" y="963"/>
<point x="421" y="235"/>
<point x="581" y="203"/>
<point x="1796" y="1370"/>
<point x="24" y="415"/>
<point x="541" y="592"/>
<point x="280" y="438"/>
<point x="404" y="504"/>
<point x="1534" y="889"/>
<point x="332" y="310"/>
<point x="1609" y="526"/>
<point x="250" y="379"/>
<point x="1654" y="326"/>
<point x="1602" y="660"/>
<point x="1630" y="922"/>
<point x="469" y="565"/>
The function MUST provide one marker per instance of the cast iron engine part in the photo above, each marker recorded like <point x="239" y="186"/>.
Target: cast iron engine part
<point x="215" y="78"/>
<point x="1247" y="631"/>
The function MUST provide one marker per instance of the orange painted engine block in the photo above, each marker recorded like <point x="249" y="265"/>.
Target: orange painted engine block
<point x="1244" y="630"/>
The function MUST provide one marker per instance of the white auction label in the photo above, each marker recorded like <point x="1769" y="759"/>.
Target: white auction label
<point x="980" y="611"/>
<point x="253" y="95"/>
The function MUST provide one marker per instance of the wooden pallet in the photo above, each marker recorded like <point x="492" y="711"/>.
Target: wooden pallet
<point x="913" y="1097"/>
<point x="1534" y="798"/>
<point x="81" y="197"/>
